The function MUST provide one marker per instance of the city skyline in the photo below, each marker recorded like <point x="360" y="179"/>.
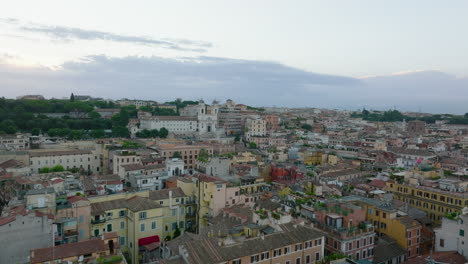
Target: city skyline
<point x="337" y="55"/>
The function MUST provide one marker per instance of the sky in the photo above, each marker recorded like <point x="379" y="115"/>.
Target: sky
<point x="409" y="55"/>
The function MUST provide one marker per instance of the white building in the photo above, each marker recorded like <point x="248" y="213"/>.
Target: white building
<point x="256" y="127"/>
<point x="174" y="124"/>
<point x="69" y="159"/>
<point x="451" y="235"/>
<point x="14" y="142"/>
<point x="123" y="157"/>
<point x="206" y="115"/>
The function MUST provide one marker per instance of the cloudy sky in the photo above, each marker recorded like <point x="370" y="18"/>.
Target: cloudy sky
<point x="337" y="54"/>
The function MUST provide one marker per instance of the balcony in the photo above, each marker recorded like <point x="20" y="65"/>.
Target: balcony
<point x="98" y="221"/>
<point x="190" y="215"/>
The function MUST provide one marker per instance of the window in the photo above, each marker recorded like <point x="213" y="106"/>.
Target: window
<point x="298" y="247"/>
<point x="371" y="211"/>
<point x="181" y="224"/>
<point x="174" y="226"/>
<point x="142" y="215"/>
<point x="109" y="214"/>
<point x="376" y="213"/>
<point x="317" y="256"/>
<point x="237" y="261"/>
<point x="287" y="250"/>
<point x="298" y="260"/>
<point x="384" y="215"/>
<point x="277" y="253"/>
<point x="122" y="225"/>
<point x="121" y="240"/>
<point x="307" y="259"/>
<point x="363" y="254"/>
<point x="442" y="243"/>
<point x="462" y="232"/>
<point x="357" y="244"/>
<point x="142" y="227"/>
<point x="122" y="213"/>
<point x="109" y="227"/>
<point x="174" y="212"/>
<point x="153" y="225"/>
<point x="265" y="255"/>
<point x="81" y="218"/>
<point x="254" y="258"/>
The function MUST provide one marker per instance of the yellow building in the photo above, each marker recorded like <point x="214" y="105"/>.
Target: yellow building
<point x="141" y="219"/>
<point x="387" y="220"/>
<point x="436" y="202"/>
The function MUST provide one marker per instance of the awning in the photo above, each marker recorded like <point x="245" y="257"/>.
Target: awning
<point x="148" y="240"/>
<point x="151" y="246"/>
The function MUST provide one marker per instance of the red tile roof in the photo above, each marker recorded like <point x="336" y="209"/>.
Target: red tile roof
<point x="377" y="183"/>
<point x="77" y="198"/>
<point x="68" y="250"/>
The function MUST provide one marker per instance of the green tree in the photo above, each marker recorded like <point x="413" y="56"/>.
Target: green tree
<point x="163" y="132"/>
<point x="57" y="168"/>
<point x="35" y="131"/>
<point x="72" y="98"/>
<point x="252" y="145"/>
<point x="306" y="127"/>
<point x="177" y="155"/>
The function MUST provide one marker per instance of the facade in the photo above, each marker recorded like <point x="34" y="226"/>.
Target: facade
<point x="215" y="166"/>
<point x="72" y="220"/>
<point x="451" y="235"/>
<point x="255" y="127"/>
<point x="189" y="153"/>
<point x="41" y="199"/>
<point x="436" y="202"/>
<point x="69" y="159"/>
<point x="121" y="158"/>
<point x="388" y="221"/>
<point x="14" y="142"/>
<point x="291" y="244"/>
<point x="174" y="124"/>
<point x="22" y="231"/>
<point x="206" y="116"/>
<point x="141" y="219"/>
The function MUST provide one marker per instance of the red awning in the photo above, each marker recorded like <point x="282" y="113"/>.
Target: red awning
<point x="148" y="240"/>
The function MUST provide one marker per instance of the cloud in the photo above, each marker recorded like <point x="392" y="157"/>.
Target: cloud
<point x="71" y="33"/>
<point x="260" y="83"/>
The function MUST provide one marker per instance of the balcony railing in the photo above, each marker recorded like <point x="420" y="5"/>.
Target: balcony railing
<point x="98" y="221"/>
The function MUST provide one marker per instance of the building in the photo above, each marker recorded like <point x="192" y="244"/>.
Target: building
<point x="255" y="127"/>
<point x="409" y="158"/>
<point x="188" y="153"/>
<point x="289" y="244"/>
<point x="433" y="200"/>
<point x="22" y="230"/>
<point x="14" y="142"/>
<point x="174" y="124"/>
<point x="141" y="219"/>
<point x="346" y="231"/>
<point x="389" y="221"/>
<point x="101" y="249"/>
<point x="216" y="166"/>
<point x="68" y="159"/>
<point x="416" y="127"/>
<point x="30" y="97"/>
<point x="41" y="199"/>
<point x="72" y="220"/>
<point x="122" y="158"/>
<point x="451" y="235"/>
<point x="206" y="116"/>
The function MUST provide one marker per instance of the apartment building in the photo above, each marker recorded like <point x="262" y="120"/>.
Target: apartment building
<point x="121" y="158"/>
<point x="174" y="124"/>
<point x="451" y="235"/>
<point x="141" y="219"/>
<point x="432" y="199"/>
<point x="14" y="142"/>
<point x="188" y="153"/>
<point x="69" y="159"/>
<point x="388" y="220"/>
<point x="72" y="220"/>
<point x="255" y="127"/>
<point x="22" y="230"/>
<point x="293" y="244"/>
<point x="346" y="231"/>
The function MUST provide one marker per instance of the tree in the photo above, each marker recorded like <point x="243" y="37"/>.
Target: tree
<point x="252" y="145"/>
<point x="203" y="155"/>
<point x="57" y="168"/>
<point x="163" y="132"/>
<point x="306" y="127"/>
<point x="466" y="115"/>
<point x="72" y="98"/>
<point x="177" y="232"/>
<point x="35" y="131"/>
<point x="177" y="155"/>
